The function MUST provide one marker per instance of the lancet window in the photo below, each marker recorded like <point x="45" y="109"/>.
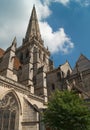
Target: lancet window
<point x="9" y="113"/>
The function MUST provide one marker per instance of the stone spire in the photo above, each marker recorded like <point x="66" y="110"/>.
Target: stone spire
<point x="14" y="41"/>
<point x="33" y="26"/>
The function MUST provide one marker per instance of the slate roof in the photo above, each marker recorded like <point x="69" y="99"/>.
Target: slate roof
<point x="82" y="64"/>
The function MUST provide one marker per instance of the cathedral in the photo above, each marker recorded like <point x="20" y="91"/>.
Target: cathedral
<point x="28" y="77"/>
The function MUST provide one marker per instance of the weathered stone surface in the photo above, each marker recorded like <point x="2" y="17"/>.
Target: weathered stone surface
<point x="27" y="79"/>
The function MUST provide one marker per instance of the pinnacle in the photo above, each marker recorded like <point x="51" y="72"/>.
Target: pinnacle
<point x="14" y="41"/>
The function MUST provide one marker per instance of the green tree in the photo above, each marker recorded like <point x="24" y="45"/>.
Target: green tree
<point x="66" y="111"/>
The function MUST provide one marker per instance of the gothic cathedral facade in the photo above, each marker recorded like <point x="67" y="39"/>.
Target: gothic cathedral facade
<point x="28" y="77"/>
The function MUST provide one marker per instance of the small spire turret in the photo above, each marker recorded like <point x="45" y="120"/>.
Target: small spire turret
<point x="14" y="42"/>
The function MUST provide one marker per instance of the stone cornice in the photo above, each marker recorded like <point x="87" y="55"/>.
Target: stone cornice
<point x="6" y="82"/>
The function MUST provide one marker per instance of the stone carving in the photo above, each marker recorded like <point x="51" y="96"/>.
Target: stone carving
<point x="8" y="102"/>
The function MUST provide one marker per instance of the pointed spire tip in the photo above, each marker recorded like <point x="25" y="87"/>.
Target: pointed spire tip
<point x="33" y="5"/>
<point x="14" y="41"/>
<point x="33" y="26"/>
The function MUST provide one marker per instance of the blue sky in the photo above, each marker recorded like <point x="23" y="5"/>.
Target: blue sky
<point x="75" y="19"/>
<point x="64" y="25"/>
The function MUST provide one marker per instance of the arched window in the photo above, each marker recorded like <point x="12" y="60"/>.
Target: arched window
<point x="44" y="57"/>
<point x="34" y="54"/>
<point x="9" y="113"/>
<point x="34" y="80"/>
<point x="53" y="87"/>
<point x="68" y="73"/>
<point x="63" y="74"/>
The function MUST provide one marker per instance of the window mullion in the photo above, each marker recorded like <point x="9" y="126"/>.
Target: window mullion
<point x="9" y="120"/>
<point x="2" y="119"/>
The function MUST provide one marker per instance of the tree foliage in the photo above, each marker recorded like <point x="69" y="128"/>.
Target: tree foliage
<point x="66" y="111"/>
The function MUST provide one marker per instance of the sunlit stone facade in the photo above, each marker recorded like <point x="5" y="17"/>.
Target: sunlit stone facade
<point x="28" y="77"/>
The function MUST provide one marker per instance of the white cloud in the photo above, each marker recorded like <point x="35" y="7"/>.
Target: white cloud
<point x="15" y="24"/>
<point x="64" y="2"/>
<point x="83" y="3"/>
<point x="42" y="9"/>
<point x="56" y="41"/>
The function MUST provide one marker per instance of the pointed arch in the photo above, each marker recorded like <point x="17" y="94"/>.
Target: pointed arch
<point x="16" y="96"/>
<point x="10" y="110"/>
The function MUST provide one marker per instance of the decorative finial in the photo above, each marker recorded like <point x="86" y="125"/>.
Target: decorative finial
<point x="33" y="5"/>
<point x="14" y="42"/>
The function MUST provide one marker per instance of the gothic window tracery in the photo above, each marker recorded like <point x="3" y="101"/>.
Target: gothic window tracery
<point x="9" y="113"/>
<point x="68" y="73"/>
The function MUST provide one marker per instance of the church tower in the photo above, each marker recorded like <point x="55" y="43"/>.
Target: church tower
<point x="34" y="58"/>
